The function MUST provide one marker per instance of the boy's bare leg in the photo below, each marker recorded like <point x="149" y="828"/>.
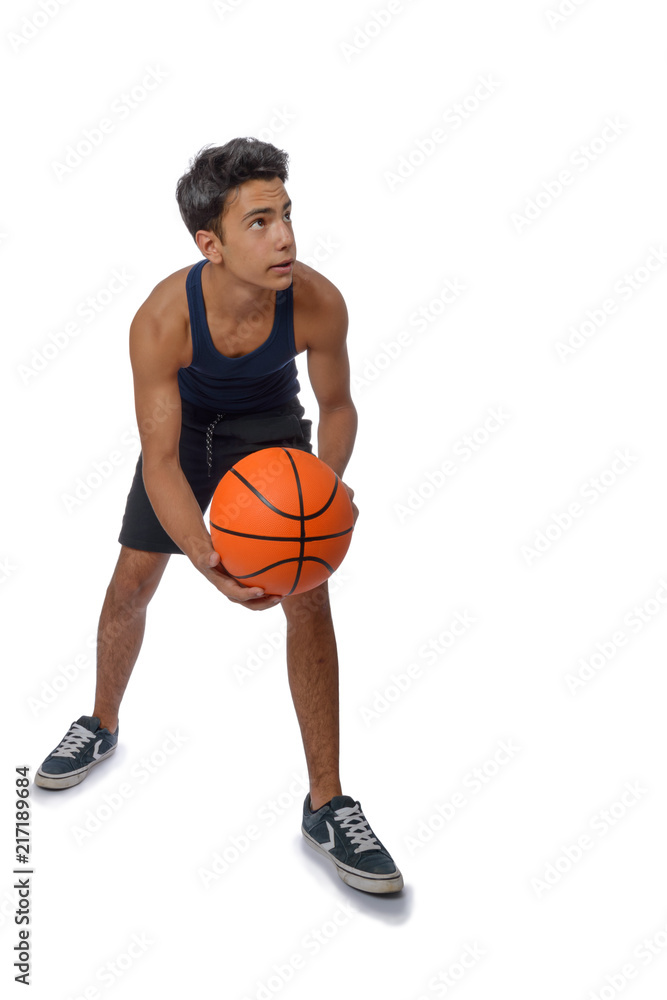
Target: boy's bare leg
<point x="312" y="667"/>
<point x="121" y="627"/>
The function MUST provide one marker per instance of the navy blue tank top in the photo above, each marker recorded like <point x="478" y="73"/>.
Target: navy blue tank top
<point x="260" y="380"/>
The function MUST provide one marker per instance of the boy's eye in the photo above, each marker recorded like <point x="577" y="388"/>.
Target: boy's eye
<point x="288" y="216"/>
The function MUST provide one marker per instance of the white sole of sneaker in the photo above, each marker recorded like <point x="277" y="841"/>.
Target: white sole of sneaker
<point x="366" y="881"/>
<point x="71" y="777"/>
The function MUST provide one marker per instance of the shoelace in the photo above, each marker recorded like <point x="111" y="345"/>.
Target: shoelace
<point x="356" y="827"/>
<point x="76" y="739"/>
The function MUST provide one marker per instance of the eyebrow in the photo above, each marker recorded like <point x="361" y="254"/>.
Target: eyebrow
<point x="265" y="211"/>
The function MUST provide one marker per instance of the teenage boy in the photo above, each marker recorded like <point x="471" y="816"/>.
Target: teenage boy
<point x="212" y="351"/>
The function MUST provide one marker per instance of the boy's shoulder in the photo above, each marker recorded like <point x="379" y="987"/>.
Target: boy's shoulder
<point x="319" y="307"/>
<point x="165" y="308"/>
<point x="161" y="322"/>
<point x="168" y="294"/>
<point x="313" y="289"/>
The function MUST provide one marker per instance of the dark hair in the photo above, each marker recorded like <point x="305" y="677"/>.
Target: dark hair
<point x="215" y="170"/>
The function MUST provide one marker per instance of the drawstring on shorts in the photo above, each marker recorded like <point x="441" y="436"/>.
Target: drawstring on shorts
<point x="209" y="441"/>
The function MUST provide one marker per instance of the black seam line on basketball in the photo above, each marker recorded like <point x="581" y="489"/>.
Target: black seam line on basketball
<point x="302" y="543"/>
<point x="284" y="513"/>
<point x="281" y="538"/>
<point x="282" y="562"/>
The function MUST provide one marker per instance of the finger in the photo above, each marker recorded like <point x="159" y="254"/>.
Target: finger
<point x="254" y="603"/>
<point x="262" y="604"/>
<point x="232" y="588"/>
<point x="237" y="592"/>
<point x="228" y="586"/>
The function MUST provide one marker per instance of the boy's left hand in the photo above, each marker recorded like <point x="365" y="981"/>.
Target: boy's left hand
<point x="350" y="493"/>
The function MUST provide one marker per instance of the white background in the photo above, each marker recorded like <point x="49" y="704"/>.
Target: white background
<point x="351" y="100"/>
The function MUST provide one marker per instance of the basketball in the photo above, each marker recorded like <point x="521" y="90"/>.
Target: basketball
<point x="281" y="520"/>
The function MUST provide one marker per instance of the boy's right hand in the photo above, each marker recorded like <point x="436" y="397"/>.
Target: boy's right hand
<point x="210" y="565"/>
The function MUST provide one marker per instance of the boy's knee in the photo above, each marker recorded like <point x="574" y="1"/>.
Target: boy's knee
<point x="136" y="577"/>
<point x="299" y="607"/>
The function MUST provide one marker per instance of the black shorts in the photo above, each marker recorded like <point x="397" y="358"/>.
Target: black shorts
<point x="209" y="446"/>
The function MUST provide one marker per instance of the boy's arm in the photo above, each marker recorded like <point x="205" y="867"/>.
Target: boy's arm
<point x="329" y="373"/>
<point x="154" y="347"/>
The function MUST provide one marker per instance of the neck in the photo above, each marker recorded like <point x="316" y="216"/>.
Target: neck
<point x="234" y="299"/>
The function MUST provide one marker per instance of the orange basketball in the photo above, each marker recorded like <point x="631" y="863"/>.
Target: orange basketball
<point x="281" y="520"/>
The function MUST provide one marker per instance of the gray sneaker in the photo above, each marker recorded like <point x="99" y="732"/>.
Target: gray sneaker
<point x="340" y="831"/>
<point x="85" y="745"/>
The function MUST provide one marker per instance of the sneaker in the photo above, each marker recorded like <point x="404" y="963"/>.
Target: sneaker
<point x="85" y="745"/>
<point x="339" y="830"/>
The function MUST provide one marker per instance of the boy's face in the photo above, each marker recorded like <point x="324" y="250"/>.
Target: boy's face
<point x="257" y="229"/>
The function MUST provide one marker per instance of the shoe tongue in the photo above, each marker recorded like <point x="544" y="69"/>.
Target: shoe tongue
<point x="342" y="800"/>
<point x="89" y="722"/>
